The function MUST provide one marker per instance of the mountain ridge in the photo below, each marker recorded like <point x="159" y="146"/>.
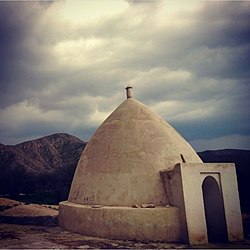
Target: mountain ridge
<point x="47" y="164"/>
<point x="44" y="152"/>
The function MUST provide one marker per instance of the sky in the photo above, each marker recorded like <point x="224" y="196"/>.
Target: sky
<point x="64" y="66"/>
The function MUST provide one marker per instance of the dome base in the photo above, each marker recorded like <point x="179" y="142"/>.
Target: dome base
<point x="152" y="224"/>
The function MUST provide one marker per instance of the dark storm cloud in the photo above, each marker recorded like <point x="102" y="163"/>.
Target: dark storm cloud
<point x="215" y="50"/>
<point x="26" y="60"/>
<point x="224" y="28"/>
<point x="228" y="21"/>
<point x="215" y="44"/>
<point x="192" y="68"/>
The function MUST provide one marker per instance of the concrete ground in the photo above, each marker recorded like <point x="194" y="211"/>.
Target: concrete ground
<point x="35" y="237"/>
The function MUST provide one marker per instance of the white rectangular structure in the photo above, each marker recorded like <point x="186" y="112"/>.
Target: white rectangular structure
<point x="208" y="199"/>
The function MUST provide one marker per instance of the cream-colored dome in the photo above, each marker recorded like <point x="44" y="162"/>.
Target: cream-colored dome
<point x="120" y="164"/>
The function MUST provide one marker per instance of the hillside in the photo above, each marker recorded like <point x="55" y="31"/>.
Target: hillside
<point x="47" y="165"/>
<point x="38" y="166"/>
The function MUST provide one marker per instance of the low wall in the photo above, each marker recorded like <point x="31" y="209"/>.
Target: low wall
<point x="153" y="224"/>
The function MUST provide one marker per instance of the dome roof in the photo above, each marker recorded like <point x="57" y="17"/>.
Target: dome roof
<point x="120" y="164"/>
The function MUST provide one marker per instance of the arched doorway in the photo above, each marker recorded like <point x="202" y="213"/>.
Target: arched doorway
<point x="214" y="211"/>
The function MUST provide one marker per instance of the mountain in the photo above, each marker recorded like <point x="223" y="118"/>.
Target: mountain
<point x="241" y="158"/>
<point x="43" y="165"/>
<point x="47" y="165"/>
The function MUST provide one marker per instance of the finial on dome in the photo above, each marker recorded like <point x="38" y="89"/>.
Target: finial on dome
<point x="129" y="91"/>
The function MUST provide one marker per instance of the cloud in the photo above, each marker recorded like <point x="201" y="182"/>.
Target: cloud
<point x="187" y="62"/>
<point x="25" y="54"/>
<point x="225" y="142"/>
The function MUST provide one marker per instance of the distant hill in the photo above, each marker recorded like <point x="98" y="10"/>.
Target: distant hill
<point x="38" y="166"/>
<point x="47" y="165"/>
<point x="241" y="158"/>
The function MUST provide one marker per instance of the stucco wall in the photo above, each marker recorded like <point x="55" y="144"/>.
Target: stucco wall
<point x="154" y="224"/>
<point x="190" y="198"/>
<point x="128" y="150"/>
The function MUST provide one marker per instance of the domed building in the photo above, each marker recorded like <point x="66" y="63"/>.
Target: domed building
<point x="139" y="179"/>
